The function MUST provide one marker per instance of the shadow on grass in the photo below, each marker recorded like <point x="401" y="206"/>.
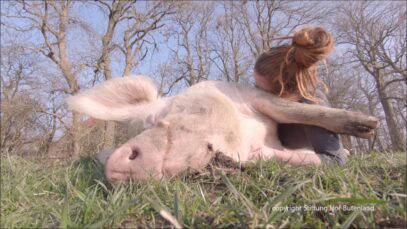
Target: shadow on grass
<point x="88" y="171"/>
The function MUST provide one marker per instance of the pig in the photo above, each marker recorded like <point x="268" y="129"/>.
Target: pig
<point x="170" y="135"/>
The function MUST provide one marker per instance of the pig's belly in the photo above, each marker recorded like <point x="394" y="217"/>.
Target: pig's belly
<point x="259" y="137"/>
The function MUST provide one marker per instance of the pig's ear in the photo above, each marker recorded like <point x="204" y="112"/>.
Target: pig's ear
<point x="114" y="99"/>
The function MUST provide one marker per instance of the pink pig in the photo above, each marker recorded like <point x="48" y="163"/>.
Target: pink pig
<point x="170" y="135"/>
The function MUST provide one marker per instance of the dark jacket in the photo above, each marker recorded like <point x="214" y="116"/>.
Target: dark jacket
<point x="326" y="144"/>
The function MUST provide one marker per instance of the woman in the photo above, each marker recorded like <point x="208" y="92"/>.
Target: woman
<point x="290" y="72"/>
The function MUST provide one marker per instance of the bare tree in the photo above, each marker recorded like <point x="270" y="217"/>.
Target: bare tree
<point x="377" y="33"/>
<point x="139" y="34"/>
<point x="190" y="31"/>
<point x="227" y="46"/>
<point x="138" y="23"/>
<point x="51" y="19"/>
<point x="128" y="32"/>
<point x="167" y="79"/>
<point x="21" y="124"/>
<point x="263" y="21"/>
<point x="184" y="43"/>
<point x="116" y="12"/>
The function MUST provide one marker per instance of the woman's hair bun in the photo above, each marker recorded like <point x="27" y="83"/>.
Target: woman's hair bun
<point x="311" y="44"/>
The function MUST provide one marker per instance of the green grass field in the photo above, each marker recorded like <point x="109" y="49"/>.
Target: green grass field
<point x="368" y="192"/>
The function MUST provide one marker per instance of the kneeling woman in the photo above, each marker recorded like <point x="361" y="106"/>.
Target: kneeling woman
<point x="290" y="71"/>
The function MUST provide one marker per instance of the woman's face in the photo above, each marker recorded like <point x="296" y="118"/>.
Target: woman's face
<point x="262" y="83"/>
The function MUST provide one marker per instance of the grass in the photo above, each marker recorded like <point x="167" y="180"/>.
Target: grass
<point x="368" y="192"/>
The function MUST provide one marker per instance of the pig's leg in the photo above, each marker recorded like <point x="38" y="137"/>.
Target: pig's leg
<point x="336" y="120"/>
<point x="295" y="157"/>
<point x="260" y="152"/>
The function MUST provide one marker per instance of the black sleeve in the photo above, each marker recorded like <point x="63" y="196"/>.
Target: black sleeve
<point x="327" y="145"/>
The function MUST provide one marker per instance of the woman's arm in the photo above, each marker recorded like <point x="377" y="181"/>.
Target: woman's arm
<point x="326" y="144"/>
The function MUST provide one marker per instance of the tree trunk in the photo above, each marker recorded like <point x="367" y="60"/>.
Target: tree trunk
<point x="395" y="135"/>
<point x="379" y="144"/>
<point x="110" y="125"/>
<point x="105" y="65"/>
<point x="347" y="142"/>
<point x="76" y="150"/>
<point x="109" y="137"/>
<point x="361" y="145"/>
<point x="45" y="146"/>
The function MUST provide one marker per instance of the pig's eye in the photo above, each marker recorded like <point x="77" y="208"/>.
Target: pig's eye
<point x="210" y="147"/>
<point x="134" y="154"/>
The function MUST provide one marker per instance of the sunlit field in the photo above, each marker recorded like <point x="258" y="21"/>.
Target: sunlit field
<point x="370" y="191"/>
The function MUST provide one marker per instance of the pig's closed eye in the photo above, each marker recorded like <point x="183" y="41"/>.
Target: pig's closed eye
<point x="210" y="147"/>
<point x="134" y="154"/>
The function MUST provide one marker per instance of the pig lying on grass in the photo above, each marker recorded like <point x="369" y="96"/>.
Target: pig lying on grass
<point x="170" y="135"/>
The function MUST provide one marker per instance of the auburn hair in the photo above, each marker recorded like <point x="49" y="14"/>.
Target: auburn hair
<point x="292" y="68"/>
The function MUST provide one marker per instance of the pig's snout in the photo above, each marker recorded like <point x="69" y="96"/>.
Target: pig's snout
<point x="127" y="162"/>
<point x="129" y="152"/>
<point x="118" y="167"/>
